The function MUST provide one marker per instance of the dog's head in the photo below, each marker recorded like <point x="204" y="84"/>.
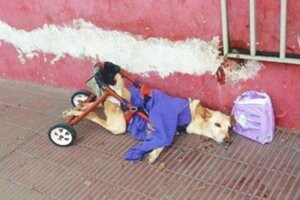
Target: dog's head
<point x="216" y="125"/>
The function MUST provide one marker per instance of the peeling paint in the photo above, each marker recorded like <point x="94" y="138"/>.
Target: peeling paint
<point x="235" y="72"/>
<point x="81" y="39"/>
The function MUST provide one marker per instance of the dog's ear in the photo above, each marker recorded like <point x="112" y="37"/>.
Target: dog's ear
<point x="203" y="112"/>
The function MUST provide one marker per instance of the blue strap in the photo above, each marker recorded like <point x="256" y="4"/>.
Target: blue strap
<point x="136" y="83"/>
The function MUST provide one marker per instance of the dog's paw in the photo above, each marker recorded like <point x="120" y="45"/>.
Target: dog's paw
<point x="66" y="113"/>
<point x="78" y="108"/>
<point x="151" y="158"/>
<point x="81" y="106"/>
<point x="70" y="113"/>
<point x="153" y="155"/>
<point x="80" y="102"/>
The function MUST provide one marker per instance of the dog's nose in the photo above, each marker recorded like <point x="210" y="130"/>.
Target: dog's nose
<point x="228" y="140"/>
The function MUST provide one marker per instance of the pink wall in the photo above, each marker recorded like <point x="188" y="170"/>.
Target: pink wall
<point x="172" y="19"/>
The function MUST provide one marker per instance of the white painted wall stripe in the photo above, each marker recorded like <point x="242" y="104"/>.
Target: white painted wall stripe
<point x="84" y="40"/>
<point x="81" y="39"/>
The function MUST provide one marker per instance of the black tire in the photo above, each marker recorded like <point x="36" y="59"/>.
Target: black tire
<point x="80" y="95"/>
<point x="62" y="135"/>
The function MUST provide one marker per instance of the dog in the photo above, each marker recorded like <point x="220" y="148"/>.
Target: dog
<point x="204" y="121"/>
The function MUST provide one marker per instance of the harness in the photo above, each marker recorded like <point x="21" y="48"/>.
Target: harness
<point x="146" y="94"/>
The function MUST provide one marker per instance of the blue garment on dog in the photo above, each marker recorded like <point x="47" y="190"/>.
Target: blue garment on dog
<point x="165" y="114"/>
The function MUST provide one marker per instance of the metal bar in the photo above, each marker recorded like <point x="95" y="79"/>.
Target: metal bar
<point x="225" y="27"/>
<point x="265" y="58"/>
<point x="73" y="121"/>
<point x="283" y="13"/>
<point x="252" y="28"/>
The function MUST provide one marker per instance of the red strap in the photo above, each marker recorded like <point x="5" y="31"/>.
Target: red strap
<point x="145" y="91"/>
<point x="128" y="115"/>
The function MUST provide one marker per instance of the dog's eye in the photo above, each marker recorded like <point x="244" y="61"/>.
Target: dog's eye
<point x="218" y="124"/>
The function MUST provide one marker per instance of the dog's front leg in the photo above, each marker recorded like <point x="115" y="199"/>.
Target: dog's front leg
<point x="91" y="116"/>
<point x="83" y="106"/>
<point x="94" y="118"/>
<point x="71" y="112"/>
<point x="153" y="155"/>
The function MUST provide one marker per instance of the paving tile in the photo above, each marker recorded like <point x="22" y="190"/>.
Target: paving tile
<point x="12" y="191"/>
<point x="13" y="164"/>
<point x="28" y="119"/>
<point x="4" y="152"/>
<point x="12" y="136"/>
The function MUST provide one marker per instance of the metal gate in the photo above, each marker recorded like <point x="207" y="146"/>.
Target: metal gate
<point x="253" y="54"/>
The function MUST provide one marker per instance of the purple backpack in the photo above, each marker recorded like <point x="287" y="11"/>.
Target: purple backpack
<point x="254" y="116"/>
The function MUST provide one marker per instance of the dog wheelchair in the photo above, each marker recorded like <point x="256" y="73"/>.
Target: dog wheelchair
<point x="64" y="134"/>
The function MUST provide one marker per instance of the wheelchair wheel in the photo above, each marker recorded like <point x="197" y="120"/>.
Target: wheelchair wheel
<point x="62" y="135"/>
<point x="80" y="95"/>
